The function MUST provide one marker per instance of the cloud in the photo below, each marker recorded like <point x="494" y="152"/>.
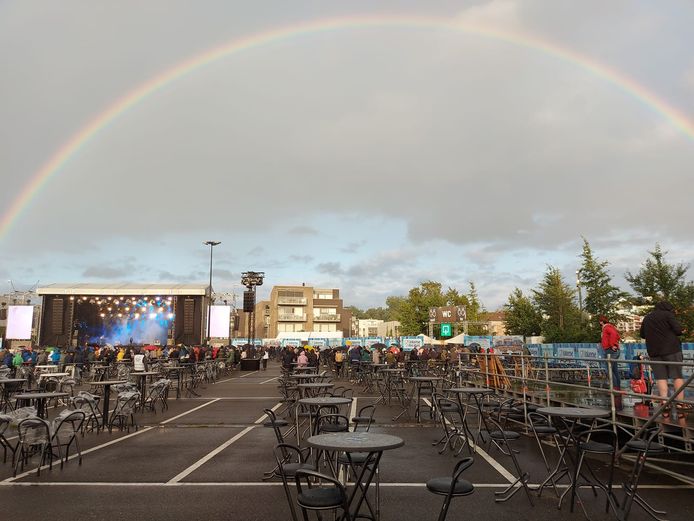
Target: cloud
<point x="303" y="259"/>
<point x="108" y="272"/>
<point x="256" y="252"/>
<point x="352" y="247"/>
<point x="302" y="230"/>
<point x="330" y="268"/>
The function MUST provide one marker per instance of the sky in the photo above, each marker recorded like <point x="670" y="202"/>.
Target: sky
<point x="363" y="157"/>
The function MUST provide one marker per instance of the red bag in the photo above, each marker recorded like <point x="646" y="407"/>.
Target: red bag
<point x="639" y="386"/>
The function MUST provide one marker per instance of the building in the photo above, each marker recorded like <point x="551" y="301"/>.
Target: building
<point x="368" y="327"/>
<point x="298" y="309"/>
<point x="495" y="322"/>
<point x="389" y="328"/>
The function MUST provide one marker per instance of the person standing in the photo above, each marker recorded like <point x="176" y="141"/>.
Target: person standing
<point x="610" y="348"/>
<point x="265" y="358"/>
<point x="662" y="330"/>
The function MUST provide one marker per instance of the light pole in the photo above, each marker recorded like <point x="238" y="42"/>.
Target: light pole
<point x="211" y="244"/>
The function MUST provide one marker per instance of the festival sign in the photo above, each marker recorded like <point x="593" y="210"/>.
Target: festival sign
<point x="508" y="342"/>
<point x="447" y="314"/>
<point x="369" y="341"/>
<point x="291" y="342"/>
<point x="565" y="352"/>
<point x="589" y="352"/>
<point x="408" y="343"/>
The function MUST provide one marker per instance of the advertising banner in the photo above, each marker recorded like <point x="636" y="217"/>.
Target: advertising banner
<point x="408" y="343"/>
<point x="482" y="342"/>
<point x="369" y="341"/>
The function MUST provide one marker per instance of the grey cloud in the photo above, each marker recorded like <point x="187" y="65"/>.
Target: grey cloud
<point x="352" y="247"/>
<point x="256" y="252"/>
<point x="302" y="230"/>
<point x="108" y="272"/>
<point x="304" y="259"/>
<point x="330" y="268"/>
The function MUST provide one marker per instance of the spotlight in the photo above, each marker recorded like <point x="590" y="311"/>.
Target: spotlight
<point x="120" y="315"/>
<point x="72" y="298"/>
<point x="127" y="308"/>
<point x="143" y="309"/>
<point x="109" y="309"/>
<point x="137" y="315"/>
<point x="160" y="309"/>
<point x="109" y="298"/>
<point x="103" y="315"/>
<point x="171" y="315"/>
<point x="152" y="316"/>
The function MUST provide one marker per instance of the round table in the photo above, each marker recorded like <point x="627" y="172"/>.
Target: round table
<point x="574" y="415"/>
<point x="143" y="382"/>
<point x="107" y="394"/>
<point x="371" y="443"/>
<point x="315" y="386"/>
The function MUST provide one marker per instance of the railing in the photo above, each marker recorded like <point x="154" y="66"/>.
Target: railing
<point x="588" y="382"/>
<point x="292" y="300"/>
<point x="325" y="317"/>
<point x="292" y="318"/>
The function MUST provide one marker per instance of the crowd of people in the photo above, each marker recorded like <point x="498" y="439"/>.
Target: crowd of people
<point x="84" y="355"/>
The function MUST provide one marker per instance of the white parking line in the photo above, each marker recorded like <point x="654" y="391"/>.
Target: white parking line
<point x="497" y="466"/>
<point x="270" y="380"/>
<point x="274" y="484"/>
<point x="219" y="449"/>
<point x="109" y="443"/>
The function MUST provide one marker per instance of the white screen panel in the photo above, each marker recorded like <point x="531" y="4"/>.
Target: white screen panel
<point x="219" y="321"/>
<point x="19" y="320"/>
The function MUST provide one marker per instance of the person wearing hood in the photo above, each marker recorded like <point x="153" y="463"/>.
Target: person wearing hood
<point x="302" y="360"/>
<point x="662" y="330"/>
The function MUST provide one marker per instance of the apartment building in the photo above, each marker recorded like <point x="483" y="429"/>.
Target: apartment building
<point x="295" y="309"/>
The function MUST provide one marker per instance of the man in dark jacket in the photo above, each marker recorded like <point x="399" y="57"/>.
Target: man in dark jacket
<point x="661" y="330"/>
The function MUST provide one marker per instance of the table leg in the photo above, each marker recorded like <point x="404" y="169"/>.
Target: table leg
<point x="362" y="484"/>
<point x="107" y="396"/>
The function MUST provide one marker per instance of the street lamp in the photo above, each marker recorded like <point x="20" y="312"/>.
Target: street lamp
<point x="211" y="244"/>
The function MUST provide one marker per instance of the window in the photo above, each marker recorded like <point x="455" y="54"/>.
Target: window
<point x="325" y="328"/>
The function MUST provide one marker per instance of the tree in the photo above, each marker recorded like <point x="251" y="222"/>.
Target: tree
<point x="601" y="296"/>
<point x="414" y="312"/>
<point x="521" y="317"/>
<point x="561" y="320"/>
<point x="657" y="280"/>
<point x="474" y="312"/>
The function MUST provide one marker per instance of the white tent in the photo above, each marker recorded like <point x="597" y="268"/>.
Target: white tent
<point x="429" y="340"/>
<point x="460" y="339"/>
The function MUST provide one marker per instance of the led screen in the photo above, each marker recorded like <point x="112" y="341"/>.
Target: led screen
<point x="19" y="319"/>
<point x="219" y="321"/>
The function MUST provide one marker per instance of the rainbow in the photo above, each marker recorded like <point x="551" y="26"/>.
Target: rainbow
<point x="68" y="150"/>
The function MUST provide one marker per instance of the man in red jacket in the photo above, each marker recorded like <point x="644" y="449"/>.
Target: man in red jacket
<point x="610" y="346"/>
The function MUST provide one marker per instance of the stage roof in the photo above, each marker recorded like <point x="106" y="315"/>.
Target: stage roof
<point x="120" y="288"/>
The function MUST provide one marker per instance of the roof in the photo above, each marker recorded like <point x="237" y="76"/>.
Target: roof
<point x="120" y="288"/>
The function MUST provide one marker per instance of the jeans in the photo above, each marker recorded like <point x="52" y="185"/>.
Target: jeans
<point x="613" y="355"/>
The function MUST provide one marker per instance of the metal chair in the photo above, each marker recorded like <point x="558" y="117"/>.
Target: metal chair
<point x="542" y="427"/>
<point x="289" y="459"/>
<point x="319" y="497"/>
<point x="452" y="486"/>
<point x="88" y="404"/>
<point x="64" y="433"/>
<point x="365" y="416"/>
<point x="4" y="443"/>
<point x="34" y="438"/>
<point x="644" y="446"/>
<point x="500" y="438"/>
<point x="454" y="425"/>
<point x="124" y="413"/>
<point x="588" y="445"/>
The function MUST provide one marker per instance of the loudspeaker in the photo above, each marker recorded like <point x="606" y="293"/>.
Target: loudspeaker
<point x="236" y="320"/>
<point x="57" y="316"/>
<point x="249" y="301"/>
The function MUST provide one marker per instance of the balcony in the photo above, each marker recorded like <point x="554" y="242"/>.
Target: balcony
<point x="324" y="317"/>
<point x="291" y="318"/>
<point x="300" y="301"/>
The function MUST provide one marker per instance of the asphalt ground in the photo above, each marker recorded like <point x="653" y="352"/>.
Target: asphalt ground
<point x="204" y="458"/>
